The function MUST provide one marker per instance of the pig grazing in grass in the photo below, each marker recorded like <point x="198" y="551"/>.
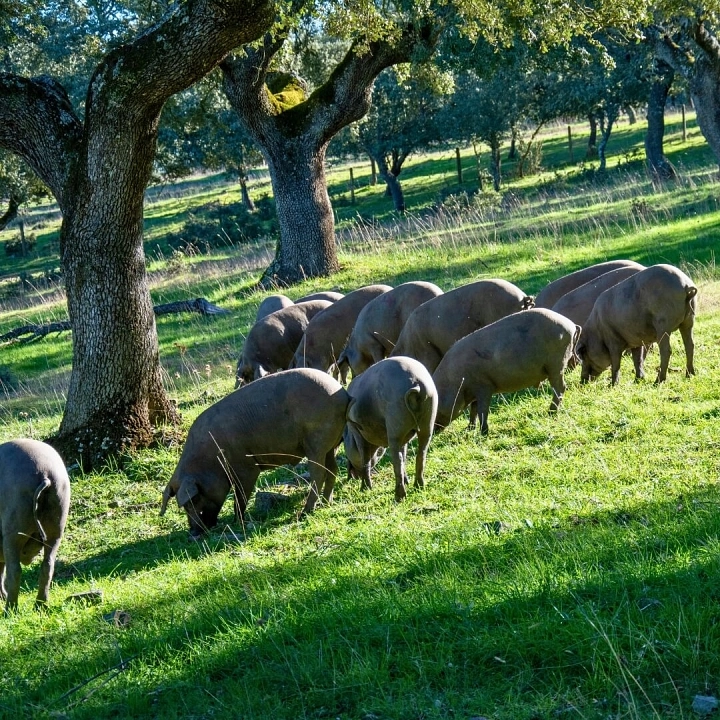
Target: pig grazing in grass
<point x="277" y="420"/>
<point x="578" y="303"/>
<point x="272" y="341"/>
<point x="641" y="310"/>
<point x="329" y="295"/>
<point x="328" y="332"/>
<point x="552" y="292"/>
<point x="434" y="326"/>
<point x="513" y="353"/>
<point x="390" y="403"/>
<point x="34" y="503"/>
<point x="271" y="304"/>
<point x="380" y="323"/>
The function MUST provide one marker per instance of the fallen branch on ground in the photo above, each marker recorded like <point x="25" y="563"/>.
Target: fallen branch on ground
<point x="32" y="332"/>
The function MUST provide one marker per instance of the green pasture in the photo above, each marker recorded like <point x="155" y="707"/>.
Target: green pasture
<point x="563" y="566"/>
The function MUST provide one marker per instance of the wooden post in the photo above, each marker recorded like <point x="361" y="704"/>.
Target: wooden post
<point x="458" y="163"/>
<point x="352" y="187"/>
<point x="572" y="159"/>
<point x="684" y="125"/>
<point x="373" y="172"/>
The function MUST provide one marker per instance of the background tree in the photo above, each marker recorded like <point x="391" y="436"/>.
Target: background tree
<point x="401" y="121"/>
<point x="97" y="169"/>
<point x="688" y="42"/>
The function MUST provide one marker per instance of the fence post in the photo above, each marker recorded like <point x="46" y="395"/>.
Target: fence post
<point x="352" y="187"/>
<point x="684" y="125"/>
<point x="570" y="147"/>
<point x="458" y="163"/>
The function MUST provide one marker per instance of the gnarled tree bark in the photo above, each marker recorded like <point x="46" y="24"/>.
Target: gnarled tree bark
<point x="98" y="169"/>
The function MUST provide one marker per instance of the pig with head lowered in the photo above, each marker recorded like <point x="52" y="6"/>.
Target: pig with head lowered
<point x="328" y="332"/>
<point x="272" y="303"/>
<point x="641" y="310"/>
<point x="578" y="303"/>
<point x="272" y="340"/>
<point x="391" y="402"/>
<point x="34" y="503"/>
<point x="513" y="353"/>
<point x="329" y="295"/>
<point x="380" y="323"/>
<point x="277" y="420"/>
<point x="552" y="292"/>
<point x="434" y="326"/>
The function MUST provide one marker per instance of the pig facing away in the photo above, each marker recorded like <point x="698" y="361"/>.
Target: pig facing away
<point x="278" y="419"/>
<point x="271" y="304"/>
<point x="380" y="323"/>
<point x="641" y="310"/>
<point x="271" y="342"/>
<point x="552" y="292"/>
<point x="329" y="295"/>
<point x="513" y="353"/>
<point x="328" y="332"/>
<point x="34" y="503"/>
<point x="391" y="402"/>
<point x="434" y="326"/>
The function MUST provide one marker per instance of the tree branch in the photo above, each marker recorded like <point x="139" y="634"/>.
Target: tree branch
<point x="32" y="332"/>
<point x="38" y="123"/>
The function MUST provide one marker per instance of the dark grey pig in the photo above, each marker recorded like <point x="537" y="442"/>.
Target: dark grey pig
<point x="433" y="327"/>
<point x="641" y="310"/>
<point x="271" y="342"/>
<point x="328" y="332"/>
<point x="277" y="420"/>
<point x="552" y="292"/>
<point x="34" y="503"/>
<point x="513" y="353"/>
<point x="390" y="403"/>
<point x="380" y="323"/>
<point x="271" y="304"/>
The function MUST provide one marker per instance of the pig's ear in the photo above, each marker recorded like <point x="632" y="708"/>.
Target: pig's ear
<point x="188" y="490"/>
<point x="351" y="414"/>
<point x="168" y="492"/>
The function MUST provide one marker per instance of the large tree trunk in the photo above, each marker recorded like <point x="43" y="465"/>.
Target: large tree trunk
<point x="98" y="171"/>
<point x="293" y="139"/>
<point x="307" y="241"/>
<point x="660" y="167"/>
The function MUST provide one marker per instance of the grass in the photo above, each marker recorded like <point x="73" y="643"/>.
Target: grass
<point x="561" y="567"/>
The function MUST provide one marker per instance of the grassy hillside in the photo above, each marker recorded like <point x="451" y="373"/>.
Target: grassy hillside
<point x="562" y="567"/>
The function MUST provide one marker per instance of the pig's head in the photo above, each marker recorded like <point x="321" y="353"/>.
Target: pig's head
<point x="593" y="355"/>
<point x="354" y="442"/>
<point x="202" y="499"/>
<point x="247" y="372"/>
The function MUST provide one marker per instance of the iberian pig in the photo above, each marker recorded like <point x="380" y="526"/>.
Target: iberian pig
<point x="380" y="323"/>
<point x="641" y="310"/>
<point x="552" y="292"/>
<point x="276" y="420"/>
<point x="578" y="303"/>
<point x="271" y="342"/>
<point x="328" y="332"/>
<point x="513" y="353"/>
<point x="272" y="303"/>
<point x="329" y="295"/>
<point x="34" y="503"/>
<point x="433" y="327"/>
<point x="391" y="402"/>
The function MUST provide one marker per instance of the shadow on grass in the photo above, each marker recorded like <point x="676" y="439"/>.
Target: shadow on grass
<point x="610" y="612"/>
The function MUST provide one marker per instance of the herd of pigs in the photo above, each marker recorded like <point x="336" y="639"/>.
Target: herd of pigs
<point x="418" y="357"/>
